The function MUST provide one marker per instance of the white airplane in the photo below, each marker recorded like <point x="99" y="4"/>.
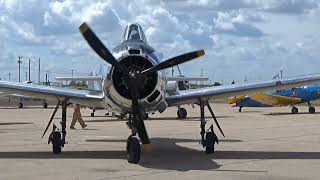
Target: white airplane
<point x="135" y="85"/>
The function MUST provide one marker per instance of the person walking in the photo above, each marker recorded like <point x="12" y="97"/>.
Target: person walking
<point x="77" y="117"/>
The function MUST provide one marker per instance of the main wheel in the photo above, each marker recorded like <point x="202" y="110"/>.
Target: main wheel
<point x="182" y="113"/>
<point x="294" y="110"/>
<point x="133" y="150"/>
<point x="92" y="114"/>
<point x="56" y="142"/>
<point x="312" y="109"/>
<point x="45" y="105"/>
<point x="20" y="105"/>
<point x="210" y="140"/>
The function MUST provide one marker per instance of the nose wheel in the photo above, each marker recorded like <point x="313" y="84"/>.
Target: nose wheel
<point x="133" y="150"/>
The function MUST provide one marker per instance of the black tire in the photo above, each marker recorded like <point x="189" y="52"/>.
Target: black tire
<point x="240" y="109"/>
<point x="45" y="105"/>
<point x="133" y="150"/>
<point x="92" y="114"/>
<point x="56" y="142"/>
<point x="210" y="140"/>
<point x="146" y="116"/>
<point x="312" y="110"/>
<point x="294" y="110"/>
<point x="20" y="105"/>
<point x="182" y="113"/>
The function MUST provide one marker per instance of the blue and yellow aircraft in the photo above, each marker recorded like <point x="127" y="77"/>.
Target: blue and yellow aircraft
<point x="289" y="97"/>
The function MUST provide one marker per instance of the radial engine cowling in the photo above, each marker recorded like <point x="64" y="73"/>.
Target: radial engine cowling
<point x="134" y="63"/>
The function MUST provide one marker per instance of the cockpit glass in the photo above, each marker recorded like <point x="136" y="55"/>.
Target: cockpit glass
<point x="134" y="32"/>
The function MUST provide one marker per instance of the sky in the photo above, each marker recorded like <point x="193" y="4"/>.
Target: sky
<point x="252" y="39"/>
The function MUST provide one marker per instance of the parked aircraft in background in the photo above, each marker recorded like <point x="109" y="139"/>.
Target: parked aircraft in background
<point x="289" y="97"/>
<point x="135" y="85"/>
<point x="174" y="84"/>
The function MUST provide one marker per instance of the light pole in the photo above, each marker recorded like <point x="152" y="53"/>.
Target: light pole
<point x="19" y="62"/>
<point x="72" y="70"/>
<point x="39" y="72"/>
<point x="29" y="68"/>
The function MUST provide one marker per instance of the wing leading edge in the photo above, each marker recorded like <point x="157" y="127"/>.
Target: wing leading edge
<point x="83" y="97"/>
<point x="223" y="92"/>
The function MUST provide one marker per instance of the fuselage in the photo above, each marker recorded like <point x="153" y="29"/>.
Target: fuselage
<point x="134" y="52"/>
<point x="305" y="93"/>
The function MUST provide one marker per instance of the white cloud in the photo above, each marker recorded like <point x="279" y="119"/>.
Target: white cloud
<point x="240" y="37"/>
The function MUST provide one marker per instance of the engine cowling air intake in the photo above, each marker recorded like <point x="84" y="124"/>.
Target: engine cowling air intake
<point x="134" y="63"/>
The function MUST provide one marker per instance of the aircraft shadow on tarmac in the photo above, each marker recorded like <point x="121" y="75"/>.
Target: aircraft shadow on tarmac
<point x="167" y="155"/>
<point x="289" y="114"/>
<point x="30" y="107"/>
<point x="14" y="123"/>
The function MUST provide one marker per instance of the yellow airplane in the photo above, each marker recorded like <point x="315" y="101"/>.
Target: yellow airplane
<point x="289" y="97"/>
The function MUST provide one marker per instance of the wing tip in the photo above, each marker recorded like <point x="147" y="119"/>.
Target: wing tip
<point x="200" y="53"/>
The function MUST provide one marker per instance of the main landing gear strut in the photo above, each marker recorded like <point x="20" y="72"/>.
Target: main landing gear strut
<point x="208" y="137"/>
<point x="58" y="137"/>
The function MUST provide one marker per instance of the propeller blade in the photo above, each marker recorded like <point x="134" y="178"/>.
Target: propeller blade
<point x="215" y="119"/>
<point x="52" y="116"/>
<point x="174" y="61"/>
<point x="98" y="46"/>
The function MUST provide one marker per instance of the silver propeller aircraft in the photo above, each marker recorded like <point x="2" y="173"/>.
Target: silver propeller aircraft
<point x="135" y="85"/>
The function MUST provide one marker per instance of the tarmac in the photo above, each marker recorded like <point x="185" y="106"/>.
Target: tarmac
<point x="260" y="143"/>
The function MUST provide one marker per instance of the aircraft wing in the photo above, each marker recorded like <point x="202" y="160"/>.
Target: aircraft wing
<point x="83" y="97"/>
<point x="80" y="78"/>
<point x="187" y="78"/>
<point x="223" y="92"/>
<point x="275" y="100"/>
